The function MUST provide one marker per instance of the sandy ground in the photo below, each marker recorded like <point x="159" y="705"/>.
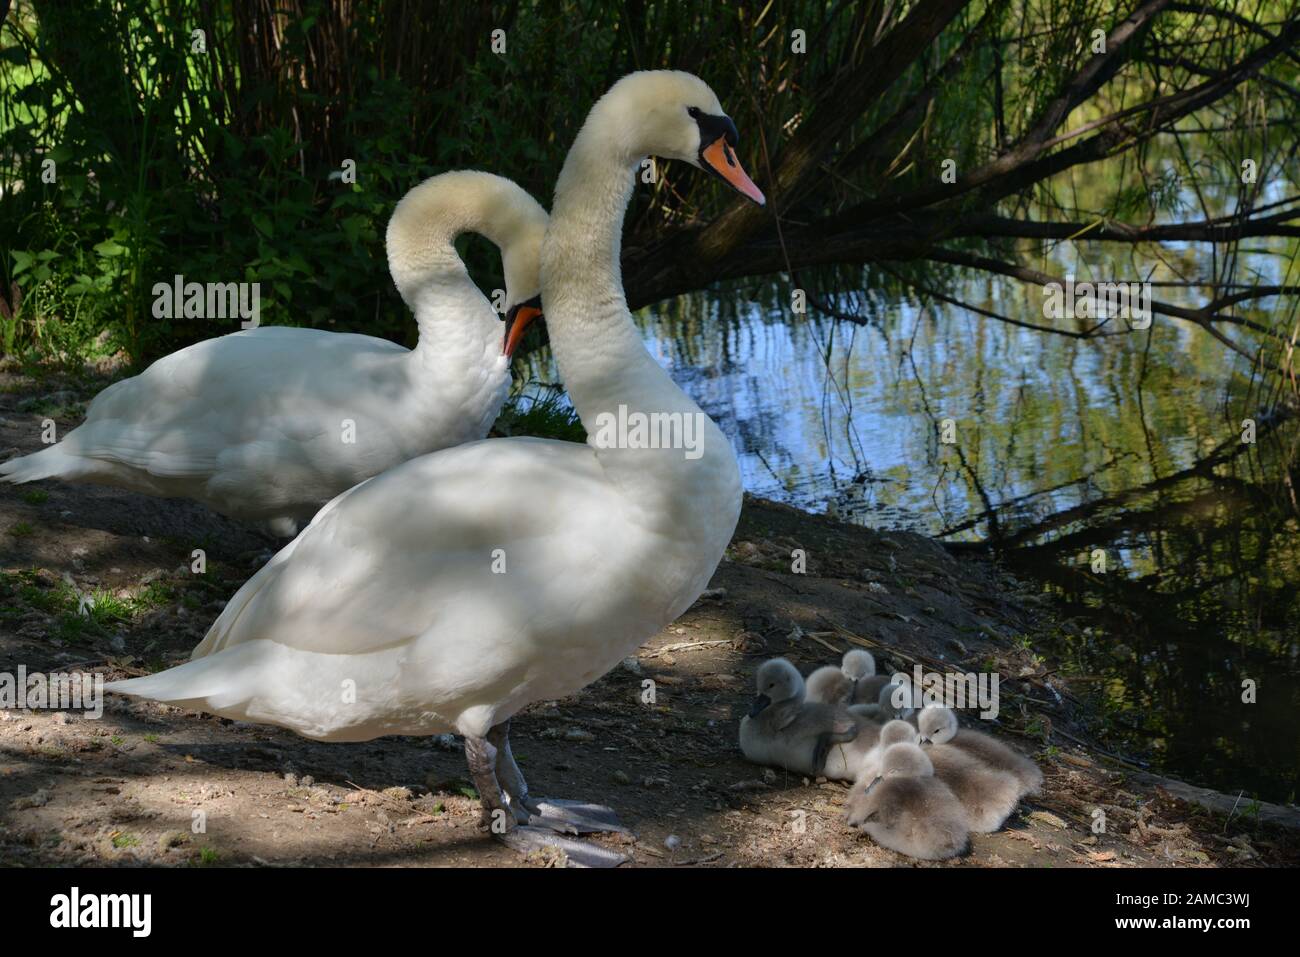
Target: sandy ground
<point x="153" y="785"/>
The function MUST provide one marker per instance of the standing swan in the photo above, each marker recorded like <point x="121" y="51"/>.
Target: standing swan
<point x="268" y="424"/>
<point x="453" y="590"/>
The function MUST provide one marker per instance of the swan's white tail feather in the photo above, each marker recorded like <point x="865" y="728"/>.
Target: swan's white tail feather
<point x="47" y="463"/>
<point x="270" y="683"/>
<point x="209" y="684"/>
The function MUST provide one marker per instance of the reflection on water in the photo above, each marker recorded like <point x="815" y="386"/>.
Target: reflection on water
<point x="1124" y="449"/>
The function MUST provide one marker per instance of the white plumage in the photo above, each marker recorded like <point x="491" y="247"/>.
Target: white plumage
<point x="390" y="613"/>
<point x="268" y="424"/>
<point x="393" y="613"/>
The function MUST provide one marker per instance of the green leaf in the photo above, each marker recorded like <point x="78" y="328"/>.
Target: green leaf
<point x="352" y="227"/>
<point x="110" y="247"/>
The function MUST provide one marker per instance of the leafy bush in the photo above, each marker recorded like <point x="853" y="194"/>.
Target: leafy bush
<point x="131" y="157"/>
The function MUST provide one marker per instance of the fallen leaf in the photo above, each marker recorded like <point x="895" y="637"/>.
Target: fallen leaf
<point x="1047" y="817"/>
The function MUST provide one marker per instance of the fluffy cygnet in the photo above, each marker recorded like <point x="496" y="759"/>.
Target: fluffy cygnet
<point x="897" y="700"/>
<point x="854" y="682"/>
<point x="989" y="796"/>
<point x="844" y="761"/>
<point x="891" y="733"/>
<point x="907" y="809"/>
<point x="784" y="730"/>
<point x="939" y="726"/>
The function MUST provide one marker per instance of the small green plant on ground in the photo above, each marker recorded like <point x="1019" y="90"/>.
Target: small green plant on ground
<point x="208" y="857"/>
<point x="78" y="617"/>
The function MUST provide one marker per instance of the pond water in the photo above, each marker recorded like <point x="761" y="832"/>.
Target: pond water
<point x="1127" y="447"/>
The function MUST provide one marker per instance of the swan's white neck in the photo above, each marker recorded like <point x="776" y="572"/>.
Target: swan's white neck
<point x="602" y="361"/>
<point x="595" y="342"/>
<point x="453" y="315"/>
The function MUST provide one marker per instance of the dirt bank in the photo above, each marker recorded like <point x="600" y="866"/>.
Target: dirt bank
<point x="126" y="788"/>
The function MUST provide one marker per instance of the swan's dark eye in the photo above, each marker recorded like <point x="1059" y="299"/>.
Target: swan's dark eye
<point x="693" y="112"/>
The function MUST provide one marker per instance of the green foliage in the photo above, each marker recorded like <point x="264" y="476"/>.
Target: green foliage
<point x="542" y="411"/>
<point x="208" y="857"/>
<point x="76" y="618"/>
<point x="225" y="164"/>
<point x="154" y="178"/>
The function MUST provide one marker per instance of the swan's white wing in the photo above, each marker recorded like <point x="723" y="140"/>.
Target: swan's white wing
<point x="177" y="417"/>
<point x="443" y="594"/>
<point x="493" y="535"/>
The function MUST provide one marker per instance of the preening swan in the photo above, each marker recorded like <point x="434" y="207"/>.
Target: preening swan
<point x="454" y="589"/>
<point x="270" y="423"/>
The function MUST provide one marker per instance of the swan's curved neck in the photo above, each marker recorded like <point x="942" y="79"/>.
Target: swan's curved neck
<point x="601" y="357"/>
<point x="449" y="309"/>
<point x="611" y="378"/>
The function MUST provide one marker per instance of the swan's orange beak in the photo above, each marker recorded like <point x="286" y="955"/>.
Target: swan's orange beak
<point x="718" y="157"/>
<point x="517" y="323"/>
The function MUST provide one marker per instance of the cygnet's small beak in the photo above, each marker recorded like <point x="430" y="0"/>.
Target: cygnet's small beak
<point x="759" y="706"/>
<point x="517" y="322"/>
<point x="720" y="159"/>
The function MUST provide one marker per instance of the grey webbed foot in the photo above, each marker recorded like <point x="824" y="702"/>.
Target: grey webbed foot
<point x="526" y="824"/>
<point x="574" y="817"/>
<point x="525" y="840"/>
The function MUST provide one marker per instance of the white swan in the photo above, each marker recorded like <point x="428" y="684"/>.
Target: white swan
<point x="270" y="423"/>
<point x="451" y="591"/>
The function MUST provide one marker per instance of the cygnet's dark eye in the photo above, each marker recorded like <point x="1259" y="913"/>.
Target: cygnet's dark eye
<point x="693" y="112"/>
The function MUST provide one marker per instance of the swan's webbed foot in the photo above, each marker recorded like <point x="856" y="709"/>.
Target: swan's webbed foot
<point x="527" y="840"/>
<point x="565" y="817"/>
<point x="575" y="817"/>
<point x="524" y="825"/>
<point x="822" y="750"/>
